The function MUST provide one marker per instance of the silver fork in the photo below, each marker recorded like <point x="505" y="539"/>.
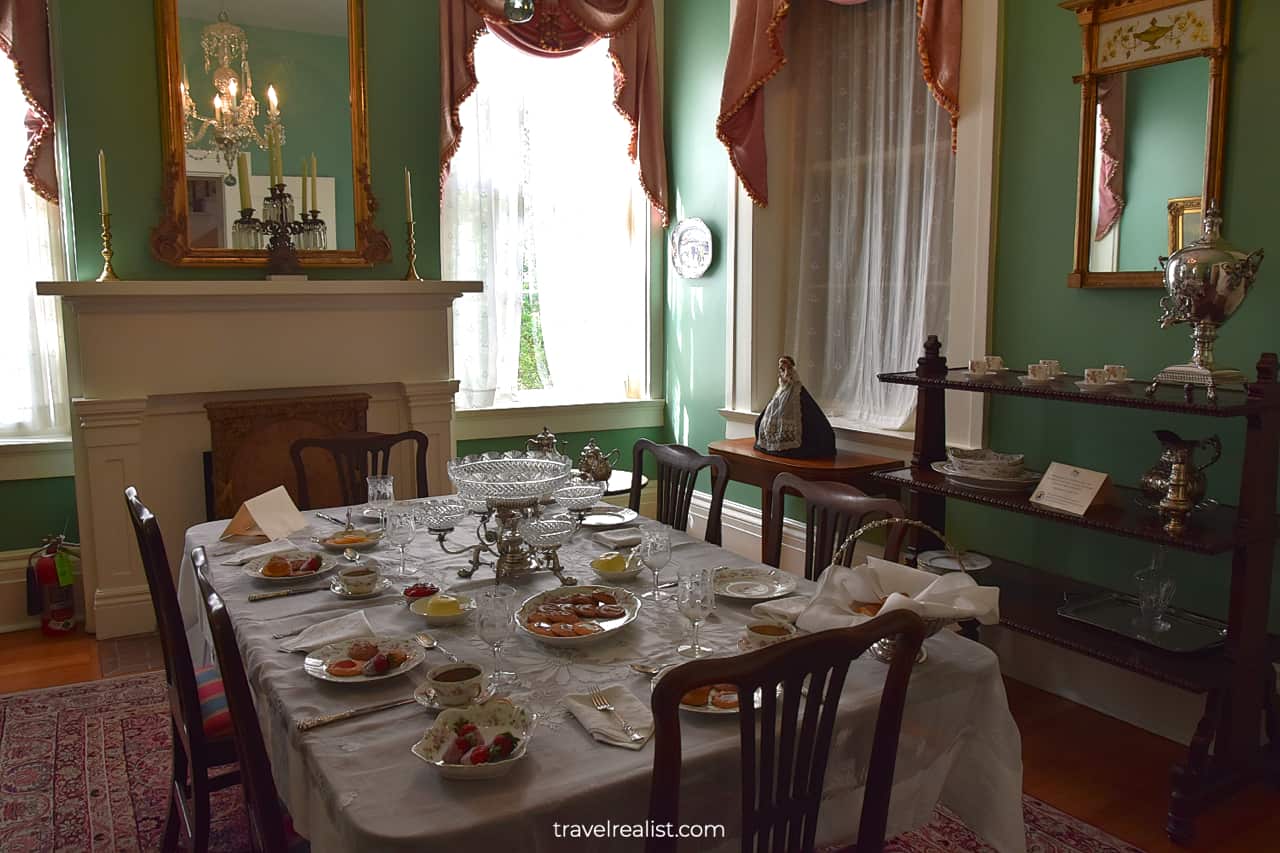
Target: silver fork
<point x="603" y="705"/>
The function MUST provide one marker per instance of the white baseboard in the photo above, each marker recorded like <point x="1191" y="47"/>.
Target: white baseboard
<point x="123" y="612"/>
<point x="1140" y="701"/>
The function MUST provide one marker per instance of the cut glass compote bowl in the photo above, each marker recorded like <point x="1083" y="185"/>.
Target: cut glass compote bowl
<point x="580" y="496"/>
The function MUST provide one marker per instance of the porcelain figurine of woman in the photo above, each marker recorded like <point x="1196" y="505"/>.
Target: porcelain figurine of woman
<point x="792" y="424"/>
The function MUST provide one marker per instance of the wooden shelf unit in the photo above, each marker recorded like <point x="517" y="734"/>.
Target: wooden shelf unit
<point x="1238" y="680"/>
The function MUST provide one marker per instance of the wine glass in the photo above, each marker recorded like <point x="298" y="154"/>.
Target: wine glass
<point x="399" y="526"/>
<point x="695" y="599"/>
<point x="382" y="492"/>
<point x="1155" y="593"/>
<point x="655" y="553"/>
<point x="495" y="623"/>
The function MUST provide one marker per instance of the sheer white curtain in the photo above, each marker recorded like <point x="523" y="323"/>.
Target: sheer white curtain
<point x="541" y="196"/>
<point x="33" y="395"/>
<point x="868" y="247"/>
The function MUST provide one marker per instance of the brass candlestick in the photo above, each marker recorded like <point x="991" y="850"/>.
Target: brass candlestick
<point x="412" y="273"/>
<point x="108" y="272"/>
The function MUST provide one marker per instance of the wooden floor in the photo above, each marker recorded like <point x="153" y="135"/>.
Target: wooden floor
<point x="1103" y="771"/>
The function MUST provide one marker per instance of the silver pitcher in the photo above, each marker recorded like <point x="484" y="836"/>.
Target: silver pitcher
<point x="545" y="441"/>
<point x="1182" y="492"/>
<point x="594" y="463"/>
<point x="1205" y="283"/>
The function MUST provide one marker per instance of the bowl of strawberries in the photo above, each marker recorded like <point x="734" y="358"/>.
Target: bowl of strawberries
<point x="479" y="741"/>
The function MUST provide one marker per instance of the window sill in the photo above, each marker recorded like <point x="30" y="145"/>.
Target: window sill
<point x="35" y="458"/>
<point x="867" y="439"/>
<point x="503" y="422"/>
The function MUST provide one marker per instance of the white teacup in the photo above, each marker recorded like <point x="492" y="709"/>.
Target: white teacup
<point x="457" y="682"/>
<point x="1095" y="376"/>
<point x="1055" y="366"/>
<point x="978" y="366"/>
<point x="360" y="579"/>
<point x="766" y="632"/>
<point x="995" y="362"/>
<point x="1116" y="372"/>
<point x="1039" y="372"/>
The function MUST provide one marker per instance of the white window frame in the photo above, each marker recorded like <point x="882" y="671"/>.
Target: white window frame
<point x="754" y="339"/>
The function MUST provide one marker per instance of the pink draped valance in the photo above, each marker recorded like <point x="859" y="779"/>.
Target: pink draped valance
<point x="561" y="28"/>
<point x="1111" y="153"/>
<point x="756" y="54"/>
<point x="24" y="38"/>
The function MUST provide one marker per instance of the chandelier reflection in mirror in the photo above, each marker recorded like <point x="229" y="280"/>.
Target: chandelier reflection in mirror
<point x="518" y="11"/>
<point x="232" y="128"/>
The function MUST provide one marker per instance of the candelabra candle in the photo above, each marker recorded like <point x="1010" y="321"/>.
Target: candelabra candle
<point x="411" y="274"/>
<point x="319" y="231"/>
<point x="108" y="272"/>
<point x="246" y="232"/>
<point x="282" y="228"/>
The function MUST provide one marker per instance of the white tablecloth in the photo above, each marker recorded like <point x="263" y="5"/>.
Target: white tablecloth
<point x="356" y="786"/>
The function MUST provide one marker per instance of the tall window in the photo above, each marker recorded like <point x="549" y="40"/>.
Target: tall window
<point x="543" y="205"/>
<point x="870" y="195"/>
<point x="33" y="394"/>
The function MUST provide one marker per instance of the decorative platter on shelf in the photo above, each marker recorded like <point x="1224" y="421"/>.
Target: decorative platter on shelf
<point x="691" y="249"/>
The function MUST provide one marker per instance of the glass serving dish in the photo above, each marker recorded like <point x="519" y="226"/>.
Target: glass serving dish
<point x="548" y="532"/>
<point x="440" y="513"/>
<point x="511" y="478"/>
<point x="581" y="495"/>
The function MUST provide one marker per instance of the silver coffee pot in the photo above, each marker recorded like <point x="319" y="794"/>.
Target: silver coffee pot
<point x="545" y="441"/>
<point x="594" y="463"/>
<point x="1176" y="478"/>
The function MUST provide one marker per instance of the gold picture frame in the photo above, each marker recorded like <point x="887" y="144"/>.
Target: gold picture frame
<point x="1179" y="210"/>
<point x="170" y="238"/>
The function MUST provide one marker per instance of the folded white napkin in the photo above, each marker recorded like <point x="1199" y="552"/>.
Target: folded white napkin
<point x="625" y="537"/>
<point x="604" y="726"/>
<point x="953" y="596"/>
<point x="346" y="627"/>
<point x="244" y="555"/>
<point x="782" y="609"/>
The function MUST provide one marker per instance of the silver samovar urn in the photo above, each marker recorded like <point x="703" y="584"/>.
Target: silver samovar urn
<point x="1205" y="282"/>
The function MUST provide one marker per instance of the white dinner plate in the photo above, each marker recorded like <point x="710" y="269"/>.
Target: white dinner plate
<point x="253" y="568"/>
<point x="319" y="659"/>
<point x="943" y="560"/>
<point x="753" y="584"/>
<point x="713" y="711"/>
<point x="993" y="484"/>
<point x="373" y="537"/>
<point x="609" y="516"/>
<point x="626" y="599"/>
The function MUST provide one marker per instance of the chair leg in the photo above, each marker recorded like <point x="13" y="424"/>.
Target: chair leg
<point x="173" y="820"/>
<point x="200" y="806"/>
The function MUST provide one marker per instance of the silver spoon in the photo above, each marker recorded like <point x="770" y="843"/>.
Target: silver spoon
<point x="351" y="555"/>
<point x="428" y="642"/>
<point x="651" y="670"/>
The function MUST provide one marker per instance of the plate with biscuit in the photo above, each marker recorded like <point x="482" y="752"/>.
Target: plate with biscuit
<point x="577" y="616"/>
<point x="716" y="699"/>
<point x="356" y="538"/>
<point x="288" y="566"/>
<point x="364" y="659"/>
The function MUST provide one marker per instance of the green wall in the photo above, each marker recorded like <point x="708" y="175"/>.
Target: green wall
<point x="311" y="73"/>
<point x="33" y="509"/>
<point x="1164" y="154"/>
<point x="1037" y="316"/>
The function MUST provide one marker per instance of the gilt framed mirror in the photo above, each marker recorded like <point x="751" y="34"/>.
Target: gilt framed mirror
<point x="1152" y="130"/>
<point x="253" y="94"/>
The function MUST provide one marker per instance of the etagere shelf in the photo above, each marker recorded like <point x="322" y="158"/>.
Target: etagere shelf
<point x="1227" y="749"/>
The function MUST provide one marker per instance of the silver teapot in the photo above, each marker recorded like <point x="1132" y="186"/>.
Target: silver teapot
<point x="544" y="441"/>
<point x="1155" y="483"/>
<point x="594" y="463"/>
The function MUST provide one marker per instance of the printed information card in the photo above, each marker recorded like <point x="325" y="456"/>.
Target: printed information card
<point x="1067" y="488"/>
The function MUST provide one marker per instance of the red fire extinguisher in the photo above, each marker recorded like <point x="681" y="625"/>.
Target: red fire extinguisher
<point x="50" y="590"/>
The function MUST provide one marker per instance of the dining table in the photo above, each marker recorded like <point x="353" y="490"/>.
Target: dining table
<point x="356" y="785"/>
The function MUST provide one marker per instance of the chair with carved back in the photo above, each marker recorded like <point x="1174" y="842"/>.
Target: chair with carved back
<point x="786" y="741"/>
<point x="357" y="456"/>
<point x="201" y="724"/>
<point x="832" y="512"/>
<point x="269" y="827"/>
<point x="677" y="475"/>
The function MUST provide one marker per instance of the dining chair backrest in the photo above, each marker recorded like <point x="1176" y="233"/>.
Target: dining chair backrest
<point x="786" y="741"/>
<point x="357" y="456"/>
<point x="266" y="818"/>
<point x="832" y="512"/>
<point x="677" y="475"/>
<point x="184" y="697"/>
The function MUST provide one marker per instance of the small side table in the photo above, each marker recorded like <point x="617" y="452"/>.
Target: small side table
<point x="750" y="466"/>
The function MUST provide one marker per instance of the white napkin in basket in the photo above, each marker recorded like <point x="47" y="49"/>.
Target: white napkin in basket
<point x="952" y="596"/>
<point x="604" y="726"/>
<point x="346" y="627"/>
<point x="781" y="609"/>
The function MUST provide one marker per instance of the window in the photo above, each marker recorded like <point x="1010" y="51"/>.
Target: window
<point x="543" y="205"/>
<point x="34" y="393"/>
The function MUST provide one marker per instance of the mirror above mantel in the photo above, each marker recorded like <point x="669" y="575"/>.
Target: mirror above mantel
<point x="1152" y="131"/>
<point x="255" y="94"/>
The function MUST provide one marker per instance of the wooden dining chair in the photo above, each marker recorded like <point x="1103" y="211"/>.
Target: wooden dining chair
<point x="832" y="512"/>
<point x="357" y="456"/>
<point x="202" y="737"/>
<point x="785" y="747"/>
<point x="269" y="827"/>
<point x="678" y="468"/>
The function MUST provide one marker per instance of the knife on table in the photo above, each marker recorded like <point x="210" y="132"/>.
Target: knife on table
<point x="281" y="593"/>
<point x="316" y="722"/>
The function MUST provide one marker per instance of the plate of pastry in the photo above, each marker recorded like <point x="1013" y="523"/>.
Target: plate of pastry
<point x="288" y="566"/>
<point x="577" y="616"/>
<point x="364" y="659"/>
<point x="356" y="538"/>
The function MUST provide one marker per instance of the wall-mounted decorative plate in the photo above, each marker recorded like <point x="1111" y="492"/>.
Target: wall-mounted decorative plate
<point x="691" y="248"/>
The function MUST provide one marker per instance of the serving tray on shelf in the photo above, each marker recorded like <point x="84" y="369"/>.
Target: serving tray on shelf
<point x="1119" y="614"/>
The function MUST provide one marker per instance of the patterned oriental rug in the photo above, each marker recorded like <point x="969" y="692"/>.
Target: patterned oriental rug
<point x="86" y="768"/>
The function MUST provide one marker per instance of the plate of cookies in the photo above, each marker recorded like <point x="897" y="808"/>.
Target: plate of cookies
<point x="577" y="616"/>
<point x="364" y="659"/>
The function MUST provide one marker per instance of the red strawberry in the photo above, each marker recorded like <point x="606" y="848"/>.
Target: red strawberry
<point x="479" y="755"/>
<point x="503" y="745"/>
<point x="466" y="728"/>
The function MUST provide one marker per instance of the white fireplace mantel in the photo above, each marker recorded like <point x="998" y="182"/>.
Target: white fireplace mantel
<point x="144" y="356"/>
